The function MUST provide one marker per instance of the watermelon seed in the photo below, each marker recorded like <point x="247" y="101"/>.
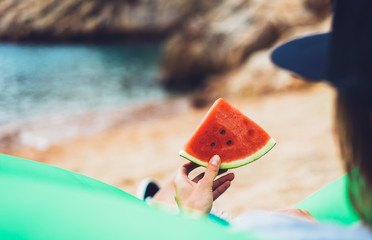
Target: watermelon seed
<point x="223" y="131"/>
<point x="229" y="142"/>
<point x="212" y="144"/>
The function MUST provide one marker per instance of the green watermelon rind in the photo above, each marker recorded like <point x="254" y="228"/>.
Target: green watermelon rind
<point x="237" y="163"/>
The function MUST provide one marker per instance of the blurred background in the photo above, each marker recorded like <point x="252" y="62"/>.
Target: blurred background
<point x="114" y="88"/>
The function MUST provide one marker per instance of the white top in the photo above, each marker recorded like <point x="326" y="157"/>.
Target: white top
<point x="272" y="225"/>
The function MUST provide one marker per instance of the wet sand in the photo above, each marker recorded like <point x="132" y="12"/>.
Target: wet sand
<point x="147" y="144"/>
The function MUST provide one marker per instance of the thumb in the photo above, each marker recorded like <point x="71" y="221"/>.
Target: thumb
<point x="212" y="170"/>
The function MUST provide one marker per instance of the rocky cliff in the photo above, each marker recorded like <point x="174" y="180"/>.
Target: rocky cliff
<point x="226" y="49"/>
<point x="50" y="20"/>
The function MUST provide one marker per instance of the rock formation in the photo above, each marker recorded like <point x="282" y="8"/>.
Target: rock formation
<point x="50" y="20"/>
<point x="209" y="51"/>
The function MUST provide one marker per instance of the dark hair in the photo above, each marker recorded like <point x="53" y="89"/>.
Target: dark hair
<point x="353" y="124"/>
<point x="350" y="52"/>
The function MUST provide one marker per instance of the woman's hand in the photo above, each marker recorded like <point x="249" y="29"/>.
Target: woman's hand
<point x="198" y="194"/>
<point x="299" y="213"/>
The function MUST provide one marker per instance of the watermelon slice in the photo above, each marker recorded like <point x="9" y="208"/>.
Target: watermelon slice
<point x="230" y="134"/>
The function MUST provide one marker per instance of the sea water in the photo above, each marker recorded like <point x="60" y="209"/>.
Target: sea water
<point x="41" y="80"/>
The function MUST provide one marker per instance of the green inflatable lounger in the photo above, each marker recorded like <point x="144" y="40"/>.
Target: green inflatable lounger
<point x="39" y="201"/>
<point x="331" y="204"/>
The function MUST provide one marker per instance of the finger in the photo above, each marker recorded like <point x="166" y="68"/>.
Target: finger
<point x="187" y="168"/>
<point x="221" y="189"/>
<point x="201" y="175"/>
<point x="197" y="178"/>
<point x="221" y="180"/>
<point x="221" y="171"/>
<point x="211" y="171"/>
<point x="308" y="214"/>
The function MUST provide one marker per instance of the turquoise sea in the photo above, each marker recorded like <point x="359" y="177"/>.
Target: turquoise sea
<point x="41" y="80"/>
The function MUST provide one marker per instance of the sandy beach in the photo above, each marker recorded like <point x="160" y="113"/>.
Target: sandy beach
<point x="145" y="143"/>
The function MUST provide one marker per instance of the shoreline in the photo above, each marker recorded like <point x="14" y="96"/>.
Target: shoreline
<point x="42" y="132"/>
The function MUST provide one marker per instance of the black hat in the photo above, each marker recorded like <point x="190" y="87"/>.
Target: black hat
<point x="342" y="57"/>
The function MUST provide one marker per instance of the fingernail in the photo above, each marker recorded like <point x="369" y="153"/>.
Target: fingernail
<point x="215" y="160"/>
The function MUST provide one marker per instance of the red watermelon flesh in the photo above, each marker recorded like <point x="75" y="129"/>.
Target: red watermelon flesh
<point x="227" y="132"/>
